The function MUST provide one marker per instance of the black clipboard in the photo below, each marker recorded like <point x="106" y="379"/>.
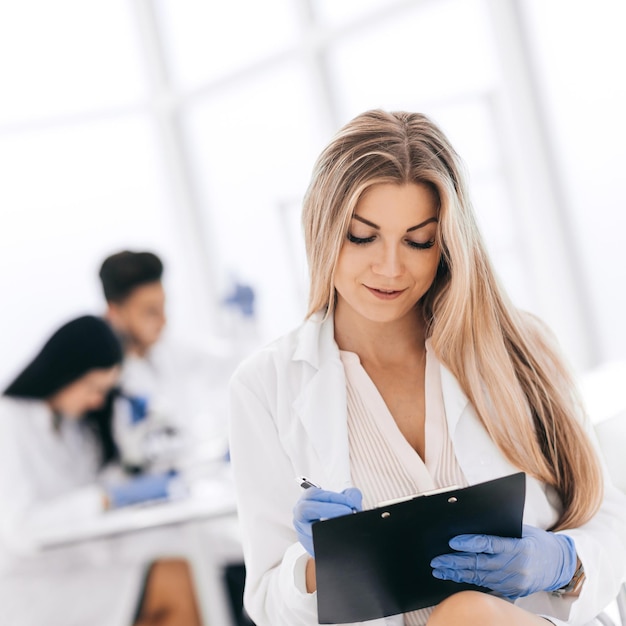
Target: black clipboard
<point x="376" y="563"/>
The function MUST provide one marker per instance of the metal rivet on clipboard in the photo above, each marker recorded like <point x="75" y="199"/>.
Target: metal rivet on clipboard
<point x="385" y="514"/>
<point x="452" y="500"/>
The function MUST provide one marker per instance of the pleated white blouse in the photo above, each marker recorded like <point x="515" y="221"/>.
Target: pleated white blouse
<point x="383" y="464"/>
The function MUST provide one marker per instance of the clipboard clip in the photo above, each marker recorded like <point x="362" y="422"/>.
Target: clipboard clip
<point x="431" y="492"/>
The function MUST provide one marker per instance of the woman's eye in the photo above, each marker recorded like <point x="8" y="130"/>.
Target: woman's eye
<point x="359" y="240"/>
<point x="421" y="246"/>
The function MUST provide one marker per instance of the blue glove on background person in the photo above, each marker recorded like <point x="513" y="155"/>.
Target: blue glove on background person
<point x="316" y="504"/>
<point x="539" y="561"/>
<point x="138" y="408"/>
<point x="142" y="488"/>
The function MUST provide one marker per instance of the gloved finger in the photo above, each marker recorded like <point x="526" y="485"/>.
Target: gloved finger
<point x="305" y="536"/>
<point x="489" y="544"/>
<point x="307" y="511"/>
<point x="461" y="560"/>
<point x="470" y="561"/>
<point x="149" y="480"/>
<point x="490" y="580"/>
<point x="303" y="528"/>
<point x="354" y="498"/>
<point x="471" y="577"/>
<point x="322" y="495"/>
<point x="532" y="531"/>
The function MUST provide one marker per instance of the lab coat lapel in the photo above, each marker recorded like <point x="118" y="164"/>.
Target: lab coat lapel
<point x="454" y="399"/>
<point x="321" y="405"/>
<point x="477" y="454"/>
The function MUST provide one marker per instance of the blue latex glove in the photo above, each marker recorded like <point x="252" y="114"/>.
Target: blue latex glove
<point x="141" y="489"/>
<point x="513" y="568"/>
<point x="316" y="504"/>
<point x="138" y="408"/>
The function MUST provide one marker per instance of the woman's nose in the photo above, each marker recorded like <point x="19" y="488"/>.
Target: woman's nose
<point x="389" y="263"/>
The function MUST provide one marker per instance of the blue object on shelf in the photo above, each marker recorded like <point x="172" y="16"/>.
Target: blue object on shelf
<point x="242" y="298"/>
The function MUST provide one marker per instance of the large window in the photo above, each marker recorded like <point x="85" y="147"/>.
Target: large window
<point x="191" y="128"/>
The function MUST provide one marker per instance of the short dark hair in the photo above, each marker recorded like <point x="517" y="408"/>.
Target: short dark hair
<point x="122" y="272"/>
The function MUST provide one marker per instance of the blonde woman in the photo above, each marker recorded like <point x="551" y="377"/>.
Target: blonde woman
<point x="414" y="371"/>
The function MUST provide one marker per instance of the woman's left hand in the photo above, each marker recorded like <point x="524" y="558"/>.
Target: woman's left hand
<point x="539" y="561"/>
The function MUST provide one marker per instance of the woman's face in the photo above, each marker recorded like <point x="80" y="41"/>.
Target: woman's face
<point x="390" y="256"/>
<point x="85" y="394"/>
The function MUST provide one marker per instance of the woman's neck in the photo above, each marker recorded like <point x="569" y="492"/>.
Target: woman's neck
<point x="381" y="342"/>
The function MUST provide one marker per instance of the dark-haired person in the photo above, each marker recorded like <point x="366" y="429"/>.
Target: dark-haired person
<point x="135" y="298"/>
<point x="55" y="446"/>
<point x="177" y="402"/>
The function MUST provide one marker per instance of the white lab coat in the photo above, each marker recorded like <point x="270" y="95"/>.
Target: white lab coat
<point x="49" y="478"/>
<point x="46" y="477"/>
<point x="288" y="418"/>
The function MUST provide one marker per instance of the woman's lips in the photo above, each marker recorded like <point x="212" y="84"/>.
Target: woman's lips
<point x="385" y="294"/>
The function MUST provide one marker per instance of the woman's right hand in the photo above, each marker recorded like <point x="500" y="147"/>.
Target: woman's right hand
<point x="317" y="504"/>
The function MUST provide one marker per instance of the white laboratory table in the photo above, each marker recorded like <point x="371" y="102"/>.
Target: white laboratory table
<point x="208" y="499"/>
<point x="201" y="528"/>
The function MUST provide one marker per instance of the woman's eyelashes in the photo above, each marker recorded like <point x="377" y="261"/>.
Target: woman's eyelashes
<point x="421" y="246"/>
<point x="359" y="241"/>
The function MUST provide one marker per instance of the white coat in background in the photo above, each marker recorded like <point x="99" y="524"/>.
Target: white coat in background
<point x="288" y="418"/>
<point x="47" y="478"/>
<point x="186" y="390"/>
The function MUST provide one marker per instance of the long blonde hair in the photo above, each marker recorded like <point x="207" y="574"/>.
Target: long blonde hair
<point x="504" y="360"/>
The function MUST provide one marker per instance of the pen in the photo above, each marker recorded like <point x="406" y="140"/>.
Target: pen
<point x="305" y="483"/>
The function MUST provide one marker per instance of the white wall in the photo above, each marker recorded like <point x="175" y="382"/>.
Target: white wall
<point x="580" y="48"/>
<point x="124" y="124"/>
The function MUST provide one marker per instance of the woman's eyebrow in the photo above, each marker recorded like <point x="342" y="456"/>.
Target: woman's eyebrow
<point x="428" y="221"/>
<point x="408" y="230"/>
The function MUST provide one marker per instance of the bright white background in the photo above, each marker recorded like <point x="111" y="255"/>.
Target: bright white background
<point x="190" y="128"/>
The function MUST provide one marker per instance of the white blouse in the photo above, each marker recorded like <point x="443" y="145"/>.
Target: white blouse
<point x="383" y="465"/>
